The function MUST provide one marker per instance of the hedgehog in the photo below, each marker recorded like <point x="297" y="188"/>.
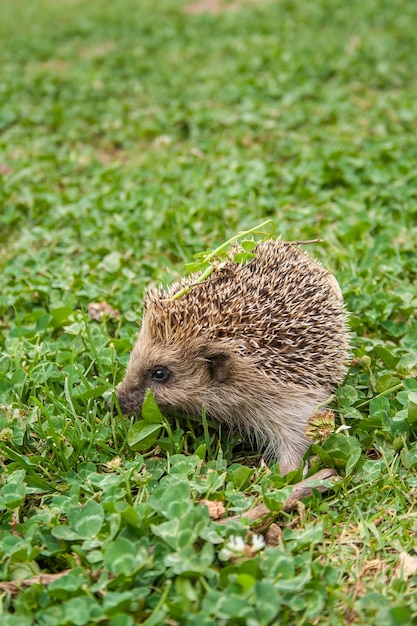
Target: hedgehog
<point x="259" y="346"/>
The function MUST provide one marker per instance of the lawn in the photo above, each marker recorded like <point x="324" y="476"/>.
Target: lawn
<point x="133" y="135"/>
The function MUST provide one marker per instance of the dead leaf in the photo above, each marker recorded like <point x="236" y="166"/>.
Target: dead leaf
<point x="97" y="51"/>
<point x="273" y="535"/>
<point x="204" y="6"/>
<point x="216" y="509"/>
<point x="97" y="310"/>
<point x="218" y="6"/>
<point x="4" y="169"/>
<point x="406" y="565"/>
<point x="300" y="490"/>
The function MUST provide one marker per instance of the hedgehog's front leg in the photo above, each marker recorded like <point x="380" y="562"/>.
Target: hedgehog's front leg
<point x="284" y="424"/>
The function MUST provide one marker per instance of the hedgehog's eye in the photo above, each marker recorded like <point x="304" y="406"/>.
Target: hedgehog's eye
<point x="160" y="374"/>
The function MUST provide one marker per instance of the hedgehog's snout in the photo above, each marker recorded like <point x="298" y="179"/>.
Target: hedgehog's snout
<point x="122" y="399"/>
<point x="129" y="402"/>
<point x="111" y="404"/>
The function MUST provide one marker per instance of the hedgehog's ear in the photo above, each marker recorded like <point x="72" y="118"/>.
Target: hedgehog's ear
<point x="219" y="366"/>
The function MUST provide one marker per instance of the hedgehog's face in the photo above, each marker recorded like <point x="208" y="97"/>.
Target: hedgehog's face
<point x="181" y="379"/>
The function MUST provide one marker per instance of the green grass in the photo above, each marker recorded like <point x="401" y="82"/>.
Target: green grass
<point x="133" y="135"/>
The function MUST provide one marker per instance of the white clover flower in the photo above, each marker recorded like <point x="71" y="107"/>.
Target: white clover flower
<point x="258" y="543"/>
<point x="234" y="547"/>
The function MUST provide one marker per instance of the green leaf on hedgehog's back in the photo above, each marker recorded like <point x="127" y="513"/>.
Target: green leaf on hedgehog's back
<point x="248" y="244"/>
<point x="202" y="255"/>
<point x="243" y="257"/>
<point x="196" y="266"/>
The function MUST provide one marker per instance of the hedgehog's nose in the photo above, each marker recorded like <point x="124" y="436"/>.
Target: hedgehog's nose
<point x="111" y="403"/>
<point x="119" y="400"/>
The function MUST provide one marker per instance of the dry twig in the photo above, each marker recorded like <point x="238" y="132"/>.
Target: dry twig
<point x="300" y="490"/>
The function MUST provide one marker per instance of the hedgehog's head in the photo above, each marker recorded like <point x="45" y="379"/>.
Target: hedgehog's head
<point x="184" y="370"/>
